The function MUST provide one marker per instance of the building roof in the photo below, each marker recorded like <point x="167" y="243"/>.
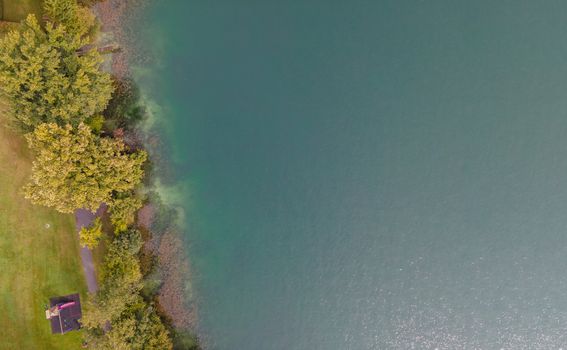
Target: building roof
<point x="68" y="318"/>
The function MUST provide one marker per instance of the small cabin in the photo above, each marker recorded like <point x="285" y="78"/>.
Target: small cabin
<point x="64" y="313"/>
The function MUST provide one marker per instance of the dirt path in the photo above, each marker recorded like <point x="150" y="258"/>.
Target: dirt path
<point x="84" y="218"/>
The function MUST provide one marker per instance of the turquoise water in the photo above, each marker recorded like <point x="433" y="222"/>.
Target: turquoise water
<point x="369" y="174"/>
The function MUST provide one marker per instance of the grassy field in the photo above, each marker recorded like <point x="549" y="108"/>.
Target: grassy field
<point x="39" y="256"/>
<point x="16" y="10"/>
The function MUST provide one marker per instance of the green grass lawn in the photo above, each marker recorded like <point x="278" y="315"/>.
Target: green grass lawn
<point x="39" y="257"/>
<point x="16" y="10"/>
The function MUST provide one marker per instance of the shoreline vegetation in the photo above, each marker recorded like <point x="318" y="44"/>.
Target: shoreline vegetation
<point x="79" y="122"/>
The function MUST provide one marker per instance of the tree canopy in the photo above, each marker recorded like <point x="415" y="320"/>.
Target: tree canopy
<point x="123" y="211"/>
<point x="140" y="328"/>
<point x="90" y="236"/>
<point x="76" y="169"/>
<point x="45" y="78"/>
<point x="76" y="19"/>
<point x="117" y="317"/>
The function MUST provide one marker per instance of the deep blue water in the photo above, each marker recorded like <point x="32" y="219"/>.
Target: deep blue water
<point x="369" y="174"/>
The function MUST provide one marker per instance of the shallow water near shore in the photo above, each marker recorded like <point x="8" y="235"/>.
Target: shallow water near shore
<point x="368" y="174"/>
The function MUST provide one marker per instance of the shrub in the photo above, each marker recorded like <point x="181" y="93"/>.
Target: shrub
<point x="117" y="317"/>
<point x="90" y="236"/>
<point x="123" y="211"/>
<point x="96" y="123"/>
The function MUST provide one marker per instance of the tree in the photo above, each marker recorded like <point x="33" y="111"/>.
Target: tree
<point x="138" y="329"/>
<point x="96" y="123"/>
<point x="90" y="236"/>
<point x="121" y="282"/>
<point x="76" y="19"/>
<point x="117" y="317"/>
<point x="74" y="168"/>
<point x="123" y="211"/>
<point x="45" y="79"/>
<point x="149" y="332"/>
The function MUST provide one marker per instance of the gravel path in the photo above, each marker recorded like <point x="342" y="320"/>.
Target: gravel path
<point x="84" y="218"/>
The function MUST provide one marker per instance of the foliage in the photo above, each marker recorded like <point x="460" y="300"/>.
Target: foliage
<point x="124" y="108"/>
<point x="76" y="169"/>
<point x="123" y="211"/>
<point x="121" y="282"/>
<point x="90" y="236"/>
<point x="117" y="317"/>
<point x="60" y="11"/>
<point x="46" y="80"/>
<point x="96" y="122"/>
<point x="141" y="328"/>
<point x="89" y="3"/>
<point x="76" y="19"/>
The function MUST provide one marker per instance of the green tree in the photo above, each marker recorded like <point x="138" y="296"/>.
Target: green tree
<point x="149" y="333"/>
<point x="46" y="80"/>
<point x="117" y="317"/>
<point x="76" y="19"/>
<point x="90" y="236"/>
<point x="121" y="282"/>
<point x="139" y="328"/>
<point x="123" y="211"/>
<point x="74" y="168"/>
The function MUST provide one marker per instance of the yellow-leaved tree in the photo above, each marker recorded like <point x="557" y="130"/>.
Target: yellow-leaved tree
<point x="75" y="168"/>
<point x="45" y="78"/>
<point x="77" y="20"/>
<point x="123" y="211"/>
<point x="90" y="236"/>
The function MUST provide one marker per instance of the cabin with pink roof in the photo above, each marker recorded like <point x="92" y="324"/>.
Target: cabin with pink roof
<point x="64" y="313"/>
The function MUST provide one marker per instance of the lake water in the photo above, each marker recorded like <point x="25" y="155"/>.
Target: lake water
<point x="369" y="174"/>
